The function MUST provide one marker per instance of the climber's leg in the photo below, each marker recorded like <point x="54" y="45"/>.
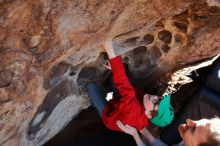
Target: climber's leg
<point x="97" y="95"/>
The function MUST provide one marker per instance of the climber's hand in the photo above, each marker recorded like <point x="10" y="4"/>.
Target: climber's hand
<point x="127" y="128"/>
<point x="107" y="65"/>
<point x="108" y="46"/>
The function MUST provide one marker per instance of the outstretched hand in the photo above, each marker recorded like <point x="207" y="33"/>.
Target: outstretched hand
<point x="108" y="66"/>
<point x="127" y="128"/>
<point x="130" y="130"/>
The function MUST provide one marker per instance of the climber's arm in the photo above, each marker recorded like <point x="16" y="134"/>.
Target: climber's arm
<point x="109" y="49"/>
<point x="147" y="135"/>
<point x="120" y="78"/>
<point x="132" y="131"/>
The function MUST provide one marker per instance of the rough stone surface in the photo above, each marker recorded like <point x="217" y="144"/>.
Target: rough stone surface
<point x="45" y="45"/>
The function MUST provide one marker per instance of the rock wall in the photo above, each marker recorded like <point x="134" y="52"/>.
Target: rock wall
<point x="48" y="49"/>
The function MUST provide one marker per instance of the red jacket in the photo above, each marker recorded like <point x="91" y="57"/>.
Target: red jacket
<point x="129" y="109"/>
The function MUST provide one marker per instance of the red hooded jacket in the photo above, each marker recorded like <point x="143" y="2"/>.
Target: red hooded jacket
<point x="129" y="109"/>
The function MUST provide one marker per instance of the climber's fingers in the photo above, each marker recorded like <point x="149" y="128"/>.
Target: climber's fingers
<point x="107" y="65"/>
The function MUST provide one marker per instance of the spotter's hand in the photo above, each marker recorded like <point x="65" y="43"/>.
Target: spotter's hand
<point x="126" y="128"/>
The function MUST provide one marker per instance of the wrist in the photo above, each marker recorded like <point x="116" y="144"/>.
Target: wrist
<point x="135" y="134"/>
<point x="142" y="131"/>
<point x="138" y="139"/>
<point x="109" y="49"/>
<point x="108" y="44"/>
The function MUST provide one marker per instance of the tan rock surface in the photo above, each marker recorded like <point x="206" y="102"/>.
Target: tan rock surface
<point x="45" y="45"/>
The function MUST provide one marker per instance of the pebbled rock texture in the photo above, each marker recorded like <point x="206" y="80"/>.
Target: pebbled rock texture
<point x="49" y="48"/>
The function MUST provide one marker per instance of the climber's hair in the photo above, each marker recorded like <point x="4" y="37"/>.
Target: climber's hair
<point x="155" y="112"/>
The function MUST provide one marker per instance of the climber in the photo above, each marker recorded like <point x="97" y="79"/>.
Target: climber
<point x="129" y="105"/>
<point x="194" y="133"/>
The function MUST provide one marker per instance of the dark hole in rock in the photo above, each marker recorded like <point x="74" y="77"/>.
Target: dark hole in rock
<point x="87" y="74"/>
<point x="5" y="84"/>
<point x="72" y="72"/>
<point x="58" y="70"/>
<point x="137" y="62"/>
<point x="178" y="38"/>
<point x="165" y="48"/>
<point x="6" y="77"/>
<point x="125" y="59"/>
<point x="159" y="24"/>
<point x="94" y="72"/>
<point x="55" y="74"/>
<point x="183" y="17"/>
<point x="5" y="101"/>
<point x="181" y="26"/>
<point x="214" y="10"/>
<point x="134" y="39"/>
<point x="148" y="39"/>
<point x="139" y="54"/>
<point x="139" y="50"/>
<point x="112" y="12"/>
<point x="200" y="17"/>
<point x="165" y="36"/>
<point x="155" y="54"/>
<point x="46" y="83"/>
<point x="105" y="56"/>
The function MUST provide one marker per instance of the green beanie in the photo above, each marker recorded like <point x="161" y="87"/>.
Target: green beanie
<point x="165" y="113"/>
